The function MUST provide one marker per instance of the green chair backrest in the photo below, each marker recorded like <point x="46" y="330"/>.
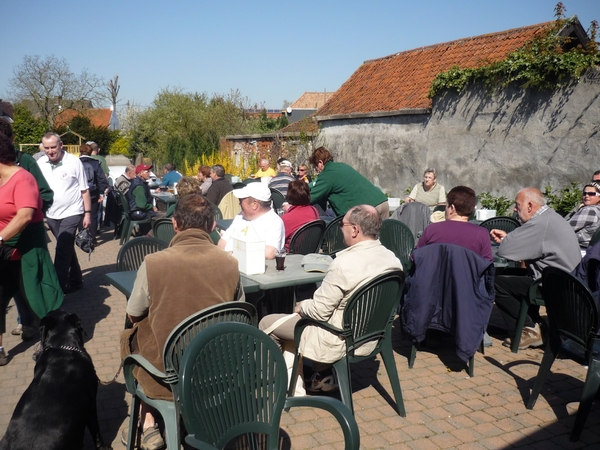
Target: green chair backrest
<point x="278" y="198"/>
<point x="595" y="237"/>
<point x="307" y="238"/>
<point x="572" y="311"/>
<point x="370" y="311"/>
<point x="132" y="253"/>
<point x="507" y="224"/>
<point x="397" y="237"/>
<point x="232" y="382"/>
<point x="163" y="229"/>
<point x="333" y="239"/>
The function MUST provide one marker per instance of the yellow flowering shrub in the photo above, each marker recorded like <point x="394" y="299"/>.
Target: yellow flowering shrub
<point x="243" y="170"/>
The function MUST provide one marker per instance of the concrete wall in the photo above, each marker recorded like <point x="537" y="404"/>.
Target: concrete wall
<point x="496" y="143"/>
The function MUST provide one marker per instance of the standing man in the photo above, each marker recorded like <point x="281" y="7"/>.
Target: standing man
<point x="166" y="291"/>
<point x="97" y="184"/>
<point x="282" y="180"/>
<point x="98" y="157"/>
<point x="219" y="186"/>
<point x="343" y="186"/>
<point x="544" y="240"/>
<point x="71" y="208"/>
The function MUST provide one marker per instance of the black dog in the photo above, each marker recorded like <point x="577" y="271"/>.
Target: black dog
<point x="61" y="400"/>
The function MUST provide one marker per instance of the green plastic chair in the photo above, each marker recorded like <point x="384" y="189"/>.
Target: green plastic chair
<point x="278" y="199"/>
<point x="333" y="239"/>
<point x="534" y="297"/>
<point x="173" y="353"/>
<point x="397" y="237"/>
<point x="163" y="229"/>
<point x="367" y="317"/>
<point x="573" y="332"/>
<point x="128" y="222"/>
<point x="595" y="237"/>
<point x="132" y="253"/>
<point x="233" y="382"/>
<point x="507" y="224"/>
<point x="307" y="238"/>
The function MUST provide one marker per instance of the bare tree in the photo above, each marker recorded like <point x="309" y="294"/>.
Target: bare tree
<point x="113" y="89"/>
<point x="50" y="86"/>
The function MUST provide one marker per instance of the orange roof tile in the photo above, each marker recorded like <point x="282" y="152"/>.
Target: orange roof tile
<point x="402" y="80"/>
<point x="307" y="125"/>
<point x="312" y="100"/>
<point x="99" y="117"/>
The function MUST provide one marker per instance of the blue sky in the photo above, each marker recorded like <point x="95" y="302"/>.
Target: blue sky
<point x="270" y="50"/>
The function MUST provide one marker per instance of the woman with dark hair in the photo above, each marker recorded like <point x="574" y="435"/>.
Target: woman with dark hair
<point x="299" y="212"/>
<point x="23" y="238"/>
<point x="586" y="220"/>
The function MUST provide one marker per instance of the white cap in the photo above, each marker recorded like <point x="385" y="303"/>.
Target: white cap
<point x="259" y="191"/>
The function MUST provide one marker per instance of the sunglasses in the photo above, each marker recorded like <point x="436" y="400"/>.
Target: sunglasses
<point x="301" y="170"/>
<point x="591" y="194"/>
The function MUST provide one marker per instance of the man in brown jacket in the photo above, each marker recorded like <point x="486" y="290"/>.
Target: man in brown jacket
<point x="190" y="275"/>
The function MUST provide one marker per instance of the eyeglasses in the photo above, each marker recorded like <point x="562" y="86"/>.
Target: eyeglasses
<point x="591" y="194"/>
<point x="301" y="170"/>
<point x="342" y="224"/>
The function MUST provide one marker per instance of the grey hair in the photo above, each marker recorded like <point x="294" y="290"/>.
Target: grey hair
<point x="50" y="134"/>
<point x="431" y="170"/>
<point x="170" y="167"/>
<point x="219" y="170"/>
<point x="366" y="219"/>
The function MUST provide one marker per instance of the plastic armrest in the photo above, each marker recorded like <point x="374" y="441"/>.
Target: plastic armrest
<point x="340" y="411"/>
<point x="305" y="322"/>
<point x="132" y="361"/>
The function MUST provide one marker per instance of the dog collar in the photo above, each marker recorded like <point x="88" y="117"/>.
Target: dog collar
<point x="65" y="347"/>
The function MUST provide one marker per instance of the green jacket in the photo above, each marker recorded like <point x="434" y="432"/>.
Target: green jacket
<point x="42" y="289"/>
<point x="30" y="165"/>
<point x="105" y="168"/>
<point x="344" y="188"/>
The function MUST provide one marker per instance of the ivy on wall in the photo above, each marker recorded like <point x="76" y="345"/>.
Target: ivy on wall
<point x="542" y="63"/>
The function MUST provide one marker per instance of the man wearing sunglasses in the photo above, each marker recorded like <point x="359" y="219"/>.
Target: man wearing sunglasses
<point x="545" y="239"/>
<point x="586" y="220"/>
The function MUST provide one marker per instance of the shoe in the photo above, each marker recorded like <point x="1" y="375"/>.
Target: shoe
<point x="28" y="333"/>
<point x="72" y="287"/>
<point x="17" y="331"/>
<point x="151" y="439"/>
<point x="3" y="358"/>
<point x="530" y="338"/>
<point x="326" y="384"/>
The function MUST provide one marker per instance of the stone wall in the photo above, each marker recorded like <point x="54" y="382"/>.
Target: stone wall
<point x="497" y="143"/>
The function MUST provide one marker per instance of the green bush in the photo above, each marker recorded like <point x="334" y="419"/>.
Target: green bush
<point x="500" y="204"/>
<point x="565" y="200"/>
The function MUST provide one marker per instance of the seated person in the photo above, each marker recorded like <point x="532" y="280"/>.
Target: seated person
<point x="299" y="212"/>
<point x="586" y="220"/>
<point x="166" y="292"/>
<point x="257" y="220"/>
<point x="303" y="173"/>
<point x="364" y="259"/>
<point x="265" y="170"/>
<point x="140" y="199"/>
<point x="219" y="185"/>
<point x="123" y="182"/>
<point x="170" y="176"/>
<point x="283" y="177"/>
<point x="456" y="229"/>
<point x="205" y="179"/>
<point x="185" y="186"/>
<point x="428" y="192"/>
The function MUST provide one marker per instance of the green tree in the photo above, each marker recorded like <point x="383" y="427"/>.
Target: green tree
<point x="26" y="128"/>
<point x="82" y="125"/>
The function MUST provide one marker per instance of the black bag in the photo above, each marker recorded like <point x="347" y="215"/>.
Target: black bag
<point x="138" y="215"/>
<point x="84" y="241"/>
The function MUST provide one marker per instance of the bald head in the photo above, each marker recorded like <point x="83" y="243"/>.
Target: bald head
<point x="528" y="202"/>
<point x="367" y="219"/>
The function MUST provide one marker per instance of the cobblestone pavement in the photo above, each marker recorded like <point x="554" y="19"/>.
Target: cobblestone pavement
<point x="445" y="408"/>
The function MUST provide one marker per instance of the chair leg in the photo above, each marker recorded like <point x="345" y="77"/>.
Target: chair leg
<point x="590" y="389"/>
<point x="342" y="369"/>
<point x="514" y="347"/>
<point x="547" y="360"/>
<point x="171" y="431"/>
<point x="134" y="414"/>
<point x="472" y="366"/>
<point x="387" y="355"/>
<point x="412" y="357"/>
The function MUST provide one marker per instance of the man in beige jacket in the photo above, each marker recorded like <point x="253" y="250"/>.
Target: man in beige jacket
<point x="365" y="258"/>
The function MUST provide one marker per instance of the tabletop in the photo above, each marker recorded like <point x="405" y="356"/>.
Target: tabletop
<point x="293" y="275"/>
<point x="164" y="197"/>
<point x="124" y="281"/>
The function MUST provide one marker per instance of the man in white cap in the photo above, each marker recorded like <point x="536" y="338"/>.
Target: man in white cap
<point x="282" y="180"/>
<point x="257" y="220"/>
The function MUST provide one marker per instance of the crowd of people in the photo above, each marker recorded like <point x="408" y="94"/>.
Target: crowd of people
<point x="68" y="191"/>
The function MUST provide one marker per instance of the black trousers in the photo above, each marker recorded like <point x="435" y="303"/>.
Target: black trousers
<point x="511" y="288"/>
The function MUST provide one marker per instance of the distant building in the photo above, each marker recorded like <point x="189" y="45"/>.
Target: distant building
<point x="306" y="105"/>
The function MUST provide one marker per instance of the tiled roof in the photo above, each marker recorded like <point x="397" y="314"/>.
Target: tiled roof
<point x="312" y="100"/>
<point x="307" y="125"/>
<point x="100" y="117"/>
<point x="402" y="81"/>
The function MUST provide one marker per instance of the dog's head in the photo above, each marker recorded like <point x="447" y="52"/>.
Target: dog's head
<point x="61" y="328"/>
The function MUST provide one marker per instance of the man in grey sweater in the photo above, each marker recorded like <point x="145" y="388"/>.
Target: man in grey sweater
<point x="544" y="239"/>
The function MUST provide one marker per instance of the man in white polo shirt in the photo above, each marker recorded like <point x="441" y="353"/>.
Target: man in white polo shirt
<point x="257" y="220"/>
<point x="72" y="204"/>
